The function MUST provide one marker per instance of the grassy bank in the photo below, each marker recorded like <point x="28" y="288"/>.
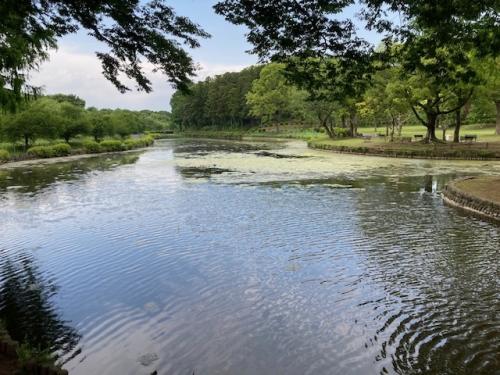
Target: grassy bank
<point x="49" y="149"/>
<point x="485" y="188"/>
<point x="486" y="147"/>
<point x="469" y="151"/>
<point x="478" y="195"/>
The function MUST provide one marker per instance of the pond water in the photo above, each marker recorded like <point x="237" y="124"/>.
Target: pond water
<point x="213" y="257"/>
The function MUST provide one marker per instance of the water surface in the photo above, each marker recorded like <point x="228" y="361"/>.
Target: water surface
<point x="250" y="258"/>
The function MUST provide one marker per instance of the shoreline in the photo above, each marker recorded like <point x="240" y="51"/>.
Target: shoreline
<point x="452" y="153"/>
<point x="463" y="194"/>
<point x="402" y="154"/>
<point x="62" y="159"/>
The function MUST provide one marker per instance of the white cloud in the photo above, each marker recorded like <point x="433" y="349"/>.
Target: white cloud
<point x="72" y="71"/>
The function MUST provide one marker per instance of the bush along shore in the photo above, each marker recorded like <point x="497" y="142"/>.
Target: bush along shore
<point x="479" y="195"/>
<point x="86" y="147"/>
<point x="20" y="359"/>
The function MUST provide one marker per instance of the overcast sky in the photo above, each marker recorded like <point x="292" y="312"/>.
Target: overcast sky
<point x="74" y="68"/>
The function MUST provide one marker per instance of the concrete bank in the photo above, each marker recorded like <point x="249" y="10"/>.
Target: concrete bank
<point x="479" y="195"/>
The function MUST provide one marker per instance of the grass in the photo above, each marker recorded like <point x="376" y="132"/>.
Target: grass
<point x="487" y="147"/>
<point x="486" y="188"/>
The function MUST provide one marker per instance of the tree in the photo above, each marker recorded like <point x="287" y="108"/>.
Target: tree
<point x="100" y="124"/>
<point x="35" y="120"/>
<point x="436" y="36"/>
<point x="384" y="101"/>
<point x="131" y="30"/>
<point x="65" y="98"/>
<point x="72" y="121"/>
<point x="272" y="98"/>
<point x="218" y="101"/>
<point x="489" y="70"/>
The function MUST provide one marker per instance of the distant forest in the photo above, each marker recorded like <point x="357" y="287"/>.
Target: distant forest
<point x="262" y="96"/>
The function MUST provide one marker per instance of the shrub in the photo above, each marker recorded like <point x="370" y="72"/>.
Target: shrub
<point x="4" y="155"/>
<point x="41" y="151"/>
<point x="341" y="132"/>
<point x="139" y="142"/>
<point x="112" y="145"/>
<point x="92" y="147"/>
<point x="60" y="149"/>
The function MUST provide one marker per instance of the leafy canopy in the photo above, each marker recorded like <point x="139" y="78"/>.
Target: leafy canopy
<point x="132" y="31"/>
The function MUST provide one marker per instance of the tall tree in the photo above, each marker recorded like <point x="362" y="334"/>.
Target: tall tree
<point x="72" y="120"/>
<point x="272" y="98"/>
<point x="489" y="70"/>
<point x="36" y="120"/>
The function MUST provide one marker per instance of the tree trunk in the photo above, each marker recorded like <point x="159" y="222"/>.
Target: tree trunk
<point x="431" y="127"/>
<point x="353" y="124"/>
<point x="497" y="103"/>
<point x="328" y="130"/>
<point x="26" y="142"/>
<point x="392" y="129"/>
<point x="458" y="124"/>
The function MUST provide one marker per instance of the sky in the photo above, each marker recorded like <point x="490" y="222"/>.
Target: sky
<point x="74" y="69"/>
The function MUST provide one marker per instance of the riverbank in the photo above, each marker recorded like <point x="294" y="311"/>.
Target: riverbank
<point x="418" y="150"/>
<point x="44" y="156"/>
<point x="19" y="359"/>
<point x="487" y="148"/>
<point x="480" y="195"/>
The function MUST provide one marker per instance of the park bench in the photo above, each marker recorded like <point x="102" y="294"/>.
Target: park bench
<point x="418" y="136"/>
<point x="367" y="138"/>
<point x="406" y="139"/>
<point x="469" y="138"/>
<point x="382" y="135"/>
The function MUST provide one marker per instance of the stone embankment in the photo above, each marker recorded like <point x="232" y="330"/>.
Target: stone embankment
<point x="480" y="195"/>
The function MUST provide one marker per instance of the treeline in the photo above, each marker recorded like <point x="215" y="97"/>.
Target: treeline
<point x="262" y="95"/>
<point x="217" y="102"/>
<point x="65" y="117"/>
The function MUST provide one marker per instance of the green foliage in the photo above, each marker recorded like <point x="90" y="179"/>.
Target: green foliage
<point x="60" y="149"/>
<point x="91" y="147"/>
<point x="37" y="119"/>
<point x="341" y="132"/>
<point x="132" y="31"/>
<point x="4" y="155"/>
<point x="29" y="354"/>
<point x="218" y="102"/>
<point x="139" y="142"/>
<point x="68" y="98"/>
<point x="112" y="145"/>
<point x="272" y="98"/>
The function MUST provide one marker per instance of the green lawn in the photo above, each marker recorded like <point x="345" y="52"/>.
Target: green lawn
<point x="485" y="134"/>
<point x="487" y="188"/>
<point x="487" y="146"/>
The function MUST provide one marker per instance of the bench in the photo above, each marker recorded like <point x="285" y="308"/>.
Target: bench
<point x="418" y="136"/>
<point x="406" y="139"/>
<point x="468" y="138"/>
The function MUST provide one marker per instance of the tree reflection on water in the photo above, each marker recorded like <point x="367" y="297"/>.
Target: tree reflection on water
<point x="26" y="307"/>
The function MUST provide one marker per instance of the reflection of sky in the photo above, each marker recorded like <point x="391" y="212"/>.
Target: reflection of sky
<point x="265" y="278"/>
